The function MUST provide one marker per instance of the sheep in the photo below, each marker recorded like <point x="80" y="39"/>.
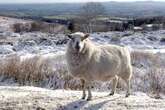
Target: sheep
<point x="89" y="62"/>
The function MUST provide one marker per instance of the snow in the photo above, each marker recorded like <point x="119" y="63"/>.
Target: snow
<point x="149" y="25"/>
<point x="137" y="28"/>
<point x="38" y="98"/>
<point x="44" y="43"/>
<point x="51" y="47"/>
<point x="7" y="81"/>
<point x="6" y="49"/>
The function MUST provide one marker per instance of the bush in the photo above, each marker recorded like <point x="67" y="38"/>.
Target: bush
<point x="35" y="26"/>
<point x="47" y="27"/>
<point x="17" y="27"/>
<point x="21" y="27"/>
<point x="162" y="40"/>
<point x="38" y="26"/>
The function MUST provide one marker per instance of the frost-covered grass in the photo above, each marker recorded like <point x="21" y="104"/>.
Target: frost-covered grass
<point x="50" y="71"/>
<point x="34" y="70"/>
<point x="32" y="58"/>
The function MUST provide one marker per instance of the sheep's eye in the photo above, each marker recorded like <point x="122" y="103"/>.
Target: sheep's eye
<point x="82" y="38"/>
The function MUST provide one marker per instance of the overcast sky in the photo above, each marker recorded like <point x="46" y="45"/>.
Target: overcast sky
<point x="69" y="1"/>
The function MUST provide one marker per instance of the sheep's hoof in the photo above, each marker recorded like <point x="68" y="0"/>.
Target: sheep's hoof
<point x="127" y="95"/>
<point x="89" y="99"/>
<point x="83" y="98"/>
<point x="111" y="94"/>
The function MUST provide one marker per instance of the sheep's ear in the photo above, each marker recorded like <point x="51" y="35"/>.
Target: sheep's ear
<point x="86" y="36"/>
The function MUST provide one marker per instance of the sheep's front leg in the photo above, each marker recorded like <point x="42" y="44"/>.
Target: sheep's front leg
<point x="115" y="81"/>
<point x="86" y="85"/>
<point x="89" y="92"/>
<point x="83" y="87"/>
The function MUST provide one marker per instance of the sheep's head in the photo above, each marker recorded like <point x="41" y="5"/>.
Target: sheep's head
<point x="77" y="40"/>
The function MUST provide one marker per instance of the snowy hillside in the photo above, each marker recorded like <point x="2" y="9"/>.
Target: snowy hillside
<point x="43" y="43"/>
<point x="38" y="59"/>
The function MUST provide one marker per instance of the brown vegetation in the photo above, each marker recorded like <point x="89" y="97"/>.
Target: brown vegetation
<point x="33" y="71"/>
<point x="38" y="26"/>
<point x="37" y="71"/>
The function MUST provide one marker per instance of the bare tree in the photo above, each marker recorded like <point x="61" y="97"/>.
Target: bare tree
<point x="89" y="13"/>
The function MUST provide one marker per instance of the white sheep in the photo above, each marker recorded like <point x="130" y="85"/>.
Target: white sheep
<point x="89" y="62"/>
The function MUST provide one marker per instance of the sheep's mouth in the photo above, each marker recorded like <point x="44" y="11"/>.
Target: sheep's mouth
<point x="77" y="48"/>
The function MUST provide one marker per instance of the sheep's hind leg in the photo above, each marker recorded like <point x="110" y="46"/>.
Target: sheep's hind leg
<point x="128" y="88"/>
<point x="115" y="81"/>
<point x="83" y="87"/>
<point x="127" y="81"/>
<point x="89" y="92"/>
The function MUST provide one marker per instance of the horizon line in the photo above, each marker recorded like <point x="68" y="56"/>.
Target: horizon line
<point x="78" y="2"/>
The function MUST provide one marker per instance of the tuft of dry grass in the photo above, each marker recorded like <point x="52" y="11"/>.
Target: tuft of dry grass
<point x="9" y="66"/>
<point x="32" y="70"/>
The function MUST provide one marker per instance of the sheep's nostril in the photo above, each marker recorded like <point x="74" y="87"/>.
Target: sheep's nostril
<point x="77" y="46"/>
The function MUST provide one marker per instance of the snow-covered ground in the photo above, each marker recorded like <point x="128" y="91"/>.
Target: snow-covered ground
<point x="33" y="98"/>
<point x="6" y="23"/>
<point x="43" y="43"/>
<point x="147" y="46"/>
<point x="30" y="44"/>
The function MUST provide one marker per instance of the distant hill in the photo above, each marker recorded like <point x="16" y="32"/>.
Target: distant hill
<point x="135" y="9"/>
<point x="120" y="9"/>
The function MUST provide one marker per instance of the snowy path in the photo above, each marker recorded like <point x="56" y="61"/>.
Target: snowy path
<point x="33" y="98"/>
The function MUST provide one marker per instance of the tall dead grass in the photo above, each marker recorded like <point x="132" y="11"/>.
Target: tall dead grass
<point x="141" y="58"/>
<point x="156" y="79"/>
<point x="51" y="72"/>
<point x="148" y="72"/>
<point x="35" y="71"/>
